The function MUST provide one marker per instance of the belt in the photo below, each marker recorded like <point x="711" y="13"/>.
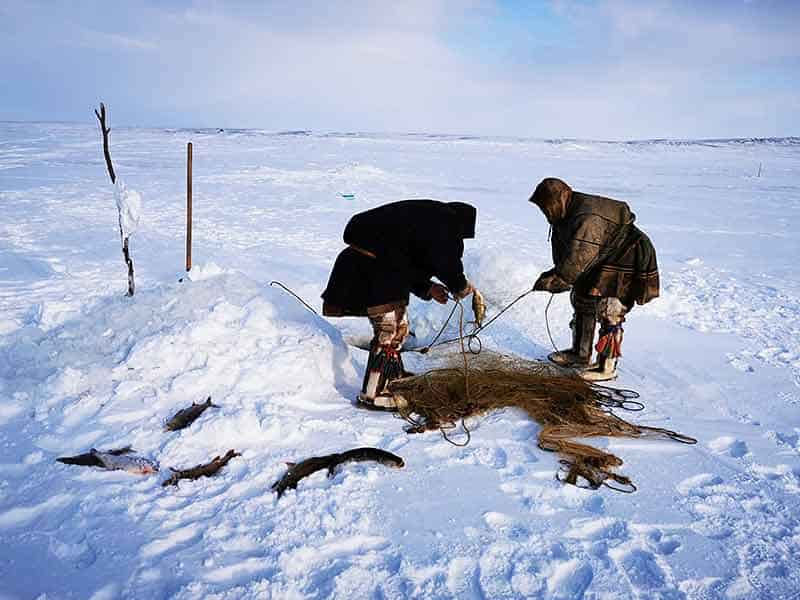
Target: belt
<point x="362" y="251"/>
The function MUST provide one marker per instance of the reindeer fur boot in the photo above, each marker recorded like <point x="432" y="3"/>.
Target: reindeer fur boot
<point x="606" y="370"/>
<point x="609" y="347"/>
<point x="383" y="366"/>
<point x="580" y="354"/>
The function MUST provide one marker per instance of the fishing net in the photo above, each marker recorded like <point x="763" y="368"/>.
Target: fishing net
<point x="567" y="407"/>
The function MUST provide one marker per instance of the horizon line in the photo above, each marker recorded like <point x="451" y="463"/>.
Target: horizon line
<point x="462" y="135"/>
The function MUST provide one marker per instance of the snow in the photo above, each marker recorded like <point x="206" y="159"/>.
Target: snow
<point x="129" y="207"/>
<point x="81" y="365"/>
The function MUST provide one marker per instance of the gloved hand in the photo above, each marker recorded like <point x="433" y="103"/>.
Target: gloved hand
<point x="439" y="293"/>
<point x="549" y="281"/>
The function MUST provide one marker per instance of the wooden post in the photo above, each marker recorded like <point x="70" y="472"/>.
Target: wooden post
<point x="189" y="207"/>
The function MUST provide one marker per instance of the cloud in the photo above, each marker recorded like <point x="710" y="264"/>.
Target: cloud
<point x="608" y="69"/>
<point x="100" y="40"/>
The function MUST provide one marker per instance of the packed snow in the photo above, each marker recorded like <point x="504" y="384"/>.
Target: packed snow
<point x="716" y="357"/>
<point x="129" y="207"/>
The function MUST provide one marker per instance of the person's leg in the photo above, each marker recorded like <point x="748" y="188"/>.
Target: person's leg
<point x="611" y="313"/>
<point x="384" y="364"/>
<point x="584" y="321"/>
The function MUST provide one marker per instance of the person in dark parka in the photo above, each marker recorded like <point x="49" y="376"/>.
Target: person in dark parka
<point x="393" y="251"/>
<point x="608" y="263"/>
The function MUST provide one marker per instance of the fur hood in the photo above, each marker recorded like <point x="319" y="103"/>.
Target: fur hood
<point x="466" y="216"/>
<point x="553" y="197"/>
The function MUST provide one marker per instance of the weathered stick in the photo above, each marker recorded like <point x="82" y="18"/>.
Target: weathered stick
<point x="189" y="207"/>
<point x="128" y="261"/>
<point x="101" y="116"/>
<point x="206" y="470"/>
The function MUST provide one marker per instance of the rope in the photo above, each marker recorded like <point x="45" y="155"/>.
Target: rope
<point x="441" y="331"/>
<point x="288" y="291"/>
<point x="470" y="337"/>
<point x="466" y="381"/>
<point x="547" y="320"/>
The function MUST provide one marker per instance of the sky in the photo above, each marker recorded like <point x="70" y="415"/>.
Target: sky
<point x="605" y="69"/>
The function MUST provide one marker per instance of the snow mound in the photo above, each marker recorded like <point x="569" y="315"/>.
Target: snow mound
<point x="125" y="365"/>
<point x="113" y="376"/>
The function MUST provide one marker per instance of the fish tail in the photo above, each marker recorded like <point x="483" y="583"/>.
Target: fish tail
<point x="84" y="460"/>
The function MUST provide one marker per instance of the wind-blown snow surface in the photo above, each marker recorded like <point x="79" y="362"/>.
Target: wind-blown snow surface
<point x="716" y="357"/>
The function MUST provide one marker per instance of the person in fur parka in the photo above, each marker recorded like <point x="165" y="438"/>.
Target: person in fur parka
<point x="607" y="263"/>
<point x="393" y="251"/>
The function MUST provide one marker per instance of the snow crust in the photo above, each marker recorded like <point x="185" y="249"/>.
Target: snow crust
<point x="129" y="207"/>
<point x="81" y="365"/>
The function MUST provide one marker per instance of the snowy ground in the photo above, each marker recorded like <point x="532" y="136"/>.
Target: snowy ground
<point x="717" y="357"/>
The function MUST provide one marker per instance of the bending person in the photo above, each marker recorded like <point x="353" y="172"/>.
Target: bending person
<point x="608" y="264"/>
<point x="394" y="250"/>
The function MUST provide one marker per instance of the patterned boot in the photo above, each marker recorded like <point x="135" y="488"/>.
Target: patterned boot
<point x="383" y="366"/>
<point x="609" y="347"/>
<point x="606" y="370"/>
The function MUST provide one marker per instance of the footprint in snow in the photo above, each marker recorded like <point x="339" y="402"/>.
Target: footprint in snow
<point x="51" y="510"/>
<point x="176" y="539"/>
<point x="697" y="485"/>
<point x="729" y="446"/>
<point x="739" y="363"/>
<point x="661" y="544"/>
<point x="79" y="552"/>
<point x="570" y="579"/>
<point x="594" y="504"/>
<point x="594" y="529"/>
<point x="463" y="578"/>
<point x="786" y="440"/>
<point x="643" y="571"/>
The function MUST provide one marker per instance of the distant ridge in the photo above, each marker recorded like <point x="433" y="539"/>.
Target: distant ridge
<point x="423" y="136"/>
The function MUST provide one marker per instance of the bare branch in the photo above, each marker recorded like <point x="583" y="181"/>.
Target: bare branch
<point x="129" y="262"/>
<point x="101" y="116"/>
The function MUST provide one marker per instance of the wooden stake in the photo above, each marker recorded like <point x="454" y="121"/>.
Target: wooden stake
<point x="189" y="207"/>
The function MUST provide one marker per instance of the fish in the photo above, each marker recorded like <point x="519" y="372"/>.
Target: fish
<point x="478" y="308"/>
<point x="206" y="470"/>
<point x="185" y="417"/>
<point x="120" y="459"/>
<point x="298" y="471"/>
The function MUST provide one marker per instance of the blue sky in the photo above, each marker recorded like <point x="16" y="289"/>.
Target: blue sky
<point x="610" y="69"/>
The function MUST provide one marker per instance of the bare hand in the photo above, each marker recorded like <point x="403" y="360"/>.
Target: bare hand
<point x="439" y="293"/>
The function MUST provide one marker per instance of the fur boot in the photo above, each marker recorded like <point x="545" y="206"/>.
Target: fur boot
<point x="383" y="366"/>
<point x="580" y="354"/>
<point x="609" y="347"/>
<point x="606" y="370"/>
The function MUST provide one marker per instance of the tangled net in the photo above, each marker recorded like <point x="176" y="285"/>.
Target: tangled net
<point x="567" y="408"/>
